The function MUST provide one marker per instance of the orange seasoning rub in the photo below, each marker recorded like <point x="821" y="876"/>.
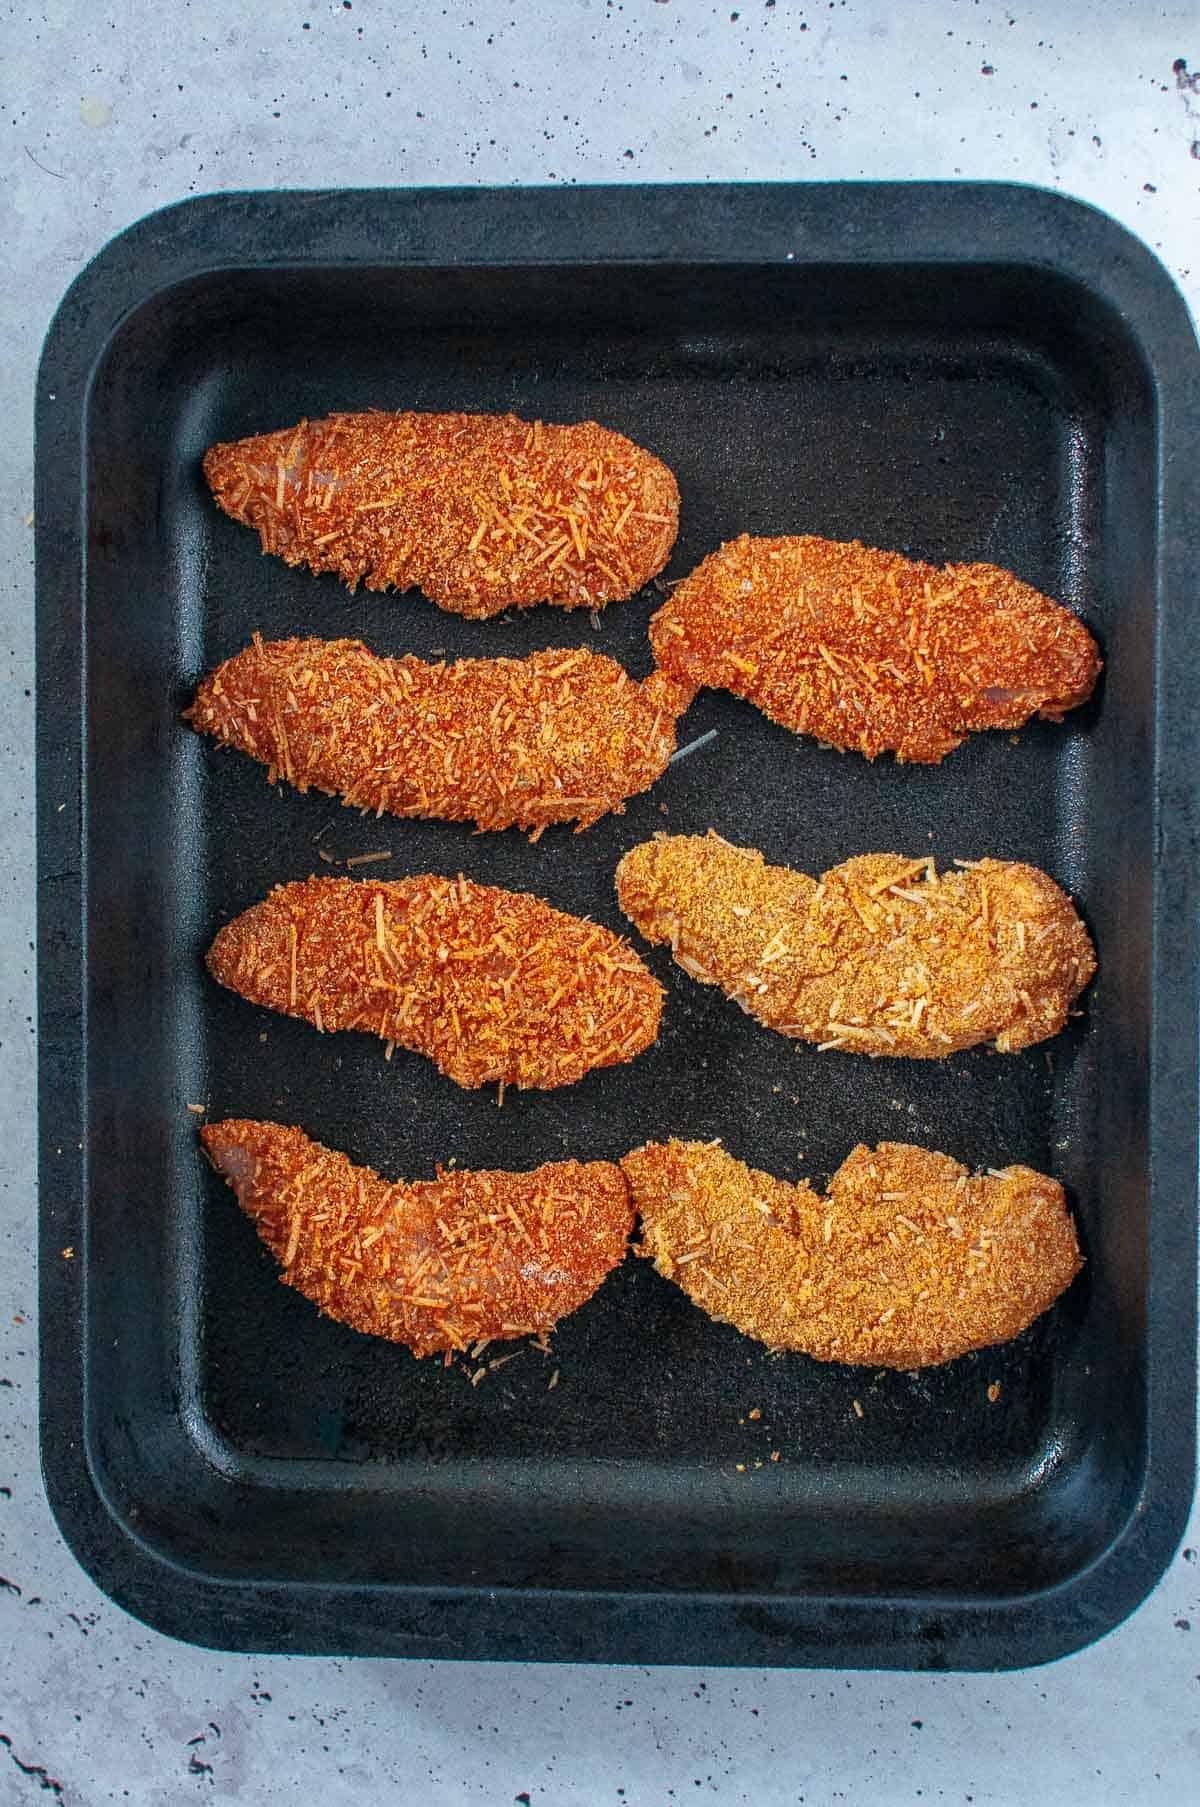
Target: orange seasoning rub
<point x="907" y="1260"/>
<point x="560" y="736"/>
<point x="873" y="651"/>
<point x="444" y="1264"/>
<point x="881" y="955"/>
<point x="483" y="512"/>
<point x="491" y="985"/>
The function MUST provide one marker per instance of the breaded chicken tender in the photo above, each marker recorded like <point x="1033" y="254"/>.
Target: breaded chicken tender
<point x="882" y="955"/>
<point x="491" y="985"/>
<point x="556" y="737"/>
<point x="909" y="1260"/>
<point x="870" y="650"/>
<point x="483" y="512"/>
<point x="440" y="1264"/>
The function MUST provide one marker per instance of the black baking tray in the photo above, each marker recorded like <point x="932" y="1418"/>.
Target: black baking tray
<point x="957" y="371"/>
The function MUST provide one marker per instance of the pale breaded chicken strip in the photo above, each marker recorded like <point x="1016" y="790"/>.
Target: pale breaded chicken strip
<point x="871" y="650"/>
<point x="442" y="1264"/>
<point x="493" y="986"/>
<point x="483" y="512"/>
<point x="560" y="736"/>
<point x="909" y="1260"/>
<point x="880" y="956"/>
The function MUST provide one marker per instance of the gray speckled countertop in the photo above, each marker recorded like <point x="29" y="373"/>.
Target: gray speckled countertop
<point x="110" y="110"/>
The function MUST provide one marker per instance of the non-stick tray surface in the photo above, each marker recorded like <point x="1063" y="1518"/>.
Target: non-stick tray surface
<point x="957" y="372"/>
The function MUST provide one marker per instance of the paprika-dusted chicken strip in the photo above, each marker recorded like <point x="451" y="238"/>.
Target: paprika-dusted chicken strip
<point x="437" y="1264"/>
<point x="882" y="956"/>
<point x="908" y="1261"/>
<point x="483" y="512"/>
<point x="556" y="737"/>
<point x="870" y="650"/>
<point x="492" y="985"/>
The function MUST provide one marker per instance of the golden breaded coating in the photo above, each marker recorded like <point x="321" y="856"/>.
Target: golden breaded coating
<point x="492" y="985"/>
<point x="906" y="1262"/>
<point x="870" y="650"/>
<point x="556" y="737"/>
<point x="437" y="1264"/>
<point x="882" y="956"/>
<point x="483" y="512"/>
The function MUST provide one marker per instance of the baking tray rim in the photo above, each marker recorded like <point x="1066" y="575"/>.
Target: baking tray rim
<point x="831" y="224"/>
